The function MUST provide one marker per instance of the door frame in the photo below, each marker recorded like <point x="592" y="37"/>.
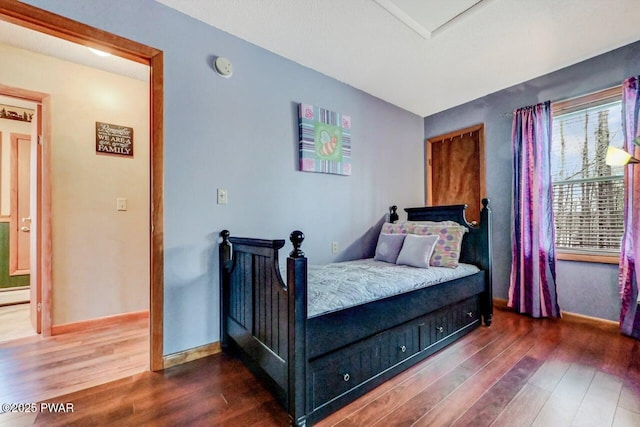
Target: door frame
<point x="58" y="26"/>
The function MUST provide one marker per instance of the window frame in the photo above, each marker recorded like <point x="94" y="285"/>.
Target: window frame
<point x="567" y="106"/>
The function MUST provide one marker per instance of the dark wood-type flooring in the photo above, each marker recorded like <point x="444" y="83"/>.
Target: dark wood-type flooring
<point x="518" y="372"/>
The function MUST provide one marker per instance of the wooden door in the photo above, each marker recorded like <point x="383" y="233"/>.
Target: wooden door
<point x="19" y="235"/>
<point x="455" y="173"/>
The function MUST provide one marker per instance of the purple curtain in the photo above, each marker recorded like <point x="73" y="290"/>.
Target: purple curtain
<point x="630" y="248"/>
<point x="533" y="266"/>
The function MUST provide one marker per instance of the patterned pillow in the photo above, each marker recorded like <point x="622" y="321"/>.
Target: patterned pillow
<point x="438" y="223"/>
<point x="397" y="228"/>
<point x="447" y="250"/>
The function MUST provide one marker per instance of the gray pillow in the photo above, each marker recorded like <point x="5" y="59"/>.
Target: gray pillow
<point x="388" y="247"/>
<point x="416" y="250"/>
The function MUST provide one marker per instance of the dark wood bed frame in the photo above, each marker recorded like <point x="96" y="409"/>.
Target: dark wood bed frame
<point x="316" y="365"/>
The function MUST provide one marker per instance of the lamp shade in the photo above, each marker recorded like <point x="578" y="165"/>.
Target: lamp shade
<point x="618" y="157"/>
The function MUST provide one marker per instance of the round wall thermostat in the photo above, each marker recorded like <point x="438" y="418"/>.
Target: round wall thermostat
<point x="223" y="66"/>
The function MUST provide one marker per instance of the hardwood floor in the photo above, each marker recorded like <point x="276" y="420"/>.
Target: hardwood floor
<point x="35" y="369"/>
<point x="518" y="372"/>
<point x="15" y="322"/>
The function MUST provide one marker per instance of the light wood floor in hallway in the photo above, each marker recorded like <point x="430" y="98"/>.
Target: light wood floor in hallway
<point x="518" y="372"/>
<point x="15" y="322"/>
<point x="34" y="369"/>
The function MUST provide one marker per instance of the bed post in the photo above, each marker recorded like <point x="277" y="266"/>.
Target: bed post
<point x="297" y="351"/>
<point x="393" y="213"/>
<point x="486" y="303"/>
<point x="224" y="253"/>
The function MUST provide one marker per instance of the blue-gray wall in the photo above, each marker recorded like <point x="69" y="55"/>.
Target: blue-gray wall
<point x="241" y="134"/>
<point x="585" y="288"/>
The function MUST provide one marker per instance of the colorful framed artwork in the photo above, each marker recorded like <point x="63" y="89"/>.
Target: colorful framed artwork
<point x="325" y="140"/>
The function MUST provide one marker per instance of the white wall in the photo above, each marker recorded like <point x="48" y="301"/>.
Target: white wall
<point x="100" y="256"/>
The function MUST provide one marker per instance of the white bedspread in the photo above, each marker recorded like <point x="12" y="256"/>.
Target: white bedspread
<point x="340" y="285"/>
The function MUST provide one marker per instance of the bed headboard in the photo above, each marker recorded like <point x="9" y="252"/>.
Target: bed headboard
<point x="476" y="244"/>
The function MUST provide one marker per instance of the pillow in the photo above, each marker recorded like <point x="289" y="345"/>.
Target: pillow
<point x="388" y="247"/>
<point x="447" y="250"/>
<point x="397" y="228"/>
<point x="416" y="250"/>
<point x="438" y="223"/>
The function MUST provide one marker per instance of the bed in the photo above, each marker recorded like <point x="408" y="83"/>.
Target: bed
<point x="316" y="361"/>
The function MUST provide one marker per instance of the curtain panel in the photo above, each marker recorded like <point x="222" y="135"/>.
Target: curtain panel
<point x="630" y="247"/>
<point x="532" y="287"/>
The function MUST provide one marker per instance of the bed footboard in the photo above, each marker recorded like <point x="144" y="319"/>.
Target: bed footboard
<point x="265" y="318"/>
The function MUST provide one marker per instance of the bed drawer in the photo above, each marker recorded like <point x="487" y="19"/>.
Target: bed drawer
<point x="338" y="372"/>
<point x="446" y="321"/>
<point x="401" y="343"/>
<point x="341" y="370"/>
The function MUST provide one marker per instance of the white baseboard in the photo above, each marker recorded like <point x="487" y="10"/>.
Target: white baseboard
<point x="14" y="296"/>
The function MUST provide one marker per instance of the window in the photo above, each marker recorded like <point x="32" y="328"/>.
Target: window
<point x="587" y="194"/>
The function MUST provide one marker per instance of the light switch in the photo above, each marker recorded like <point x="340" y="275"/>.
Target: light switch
<point x="222" y="196"/>
<point x="121" y="204"/>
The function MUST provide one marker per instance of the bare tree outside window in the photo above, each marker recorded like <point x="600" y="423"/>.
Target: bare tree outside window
<point x="587" y="193"/>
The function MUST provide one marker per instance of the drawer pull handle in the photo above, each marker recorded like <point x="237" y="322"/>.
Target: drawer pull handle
<point x="403" y="348"/>
<point x="440" y="329"/>
<point x="470" y="314"/>
<point x="346" y="377"/>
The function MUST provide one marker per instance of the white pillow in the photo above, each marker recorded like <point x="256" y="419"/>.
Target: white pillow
<point x="416" y="250"/>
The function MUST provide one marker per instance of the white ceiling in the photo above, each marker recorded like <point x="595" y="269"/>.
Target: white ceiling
<point x="422" y="55"/>
<point x="23" y="38"/>
<point x="426" y="55"/>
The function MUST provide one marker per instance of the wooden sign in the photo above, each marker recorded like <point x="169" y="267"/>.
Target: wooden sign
<point x="114" y="139"/>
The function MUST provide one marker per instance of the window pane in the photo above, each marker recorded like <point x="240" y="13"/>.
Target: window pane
<point x="587" y="193"/>
<point x="580" y="141"/>
<point x="588" y="214"/>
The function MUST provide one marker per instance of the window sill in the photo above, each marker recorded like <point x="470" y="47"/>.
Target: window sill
<point x="603" y="259"/>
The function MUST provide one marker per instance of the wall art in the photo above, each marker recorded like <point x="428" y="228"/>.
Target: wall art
<point x="325" y="140"/>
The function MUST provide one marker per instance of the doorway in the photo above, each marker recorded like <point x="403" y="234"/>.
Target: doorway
<point x="39" y="20"/>
<point x="17" y="124"/>
<point x="454" y="165"/>
<point x="21" y="118"/>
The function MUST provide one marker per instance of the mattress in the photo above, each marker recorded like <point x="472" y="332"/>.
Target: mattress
<point x="341" y="285"/>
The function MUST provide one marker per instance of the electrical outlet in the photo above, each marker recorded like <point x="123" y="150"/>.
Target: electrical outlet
<point x="222" y="196"/>
<point x="334" y="247"/>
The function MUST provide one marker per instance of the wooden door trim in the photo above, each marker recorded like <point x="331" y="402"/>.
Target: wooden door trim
<point x="3" y="218"/>
<point x="440" y="138"/>
<point x="13" y="203"/>
<point x="58" y="26"/>
<point x="40" y="280"/>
